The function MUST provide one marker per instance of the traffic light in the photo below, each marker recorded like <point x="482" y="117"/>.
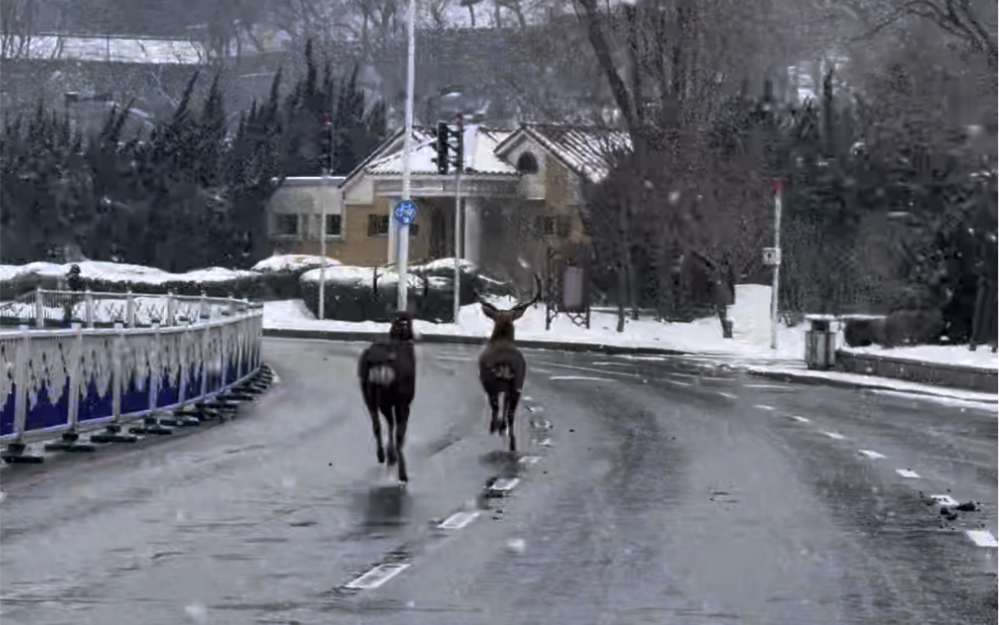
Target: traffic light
<point x="442" y="148"/>
<point x="459" y="145"/>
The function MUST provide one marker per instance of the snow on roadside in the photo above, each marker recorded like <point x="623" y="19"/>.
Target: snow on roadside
<point x="982" y="358"/>
<point x="914" y="390"/>
<point x="120" y="272"/>
<point x="702" y="336"/>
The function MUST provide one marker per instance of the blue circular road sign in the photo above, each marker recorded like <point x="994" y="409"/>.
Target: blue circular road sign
<point x="405" y="212"/>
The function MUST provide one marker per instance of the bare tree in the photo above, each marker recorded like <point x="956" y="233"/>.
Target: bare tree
<point x="17" y="25"/>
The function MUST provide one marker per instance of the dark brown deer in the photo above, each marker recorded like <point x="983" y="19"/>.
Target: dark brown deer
<point x="387" y="372"/>
<point x="502" y="367"/>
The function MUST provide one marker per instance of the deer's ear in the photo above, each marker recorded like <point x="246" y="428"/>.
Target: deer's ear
<point x="489" y="310"/>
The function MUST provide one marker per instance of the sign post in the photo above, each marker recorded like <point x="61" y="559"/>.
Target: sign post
<point x="771" y="256"/>
<point x="406" y="149"/>
<point x="457" y="222"/>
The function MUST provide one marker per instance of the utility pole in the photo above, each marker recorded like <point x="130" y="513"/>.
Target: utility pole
<point x="775" y="295"/>
<point x="327" y="179"/>
<point x="459" y="162"/>
<point x="407" y="142"/>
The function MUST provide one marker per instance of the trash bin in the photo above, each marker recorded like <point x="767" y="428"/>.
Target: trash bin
<point x="820" y="344"/>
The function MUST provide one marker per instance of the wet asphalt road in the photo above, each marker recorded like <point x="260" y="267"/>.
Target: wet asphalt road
<point x="664" y="491"/>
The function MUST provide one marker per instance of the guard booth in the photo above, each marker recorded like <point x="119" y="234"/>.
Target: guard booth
<point x="567" y="283"/>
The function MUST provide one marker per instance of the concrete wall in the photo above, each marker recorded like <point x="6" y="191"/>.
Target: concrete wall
<point x="954" y="376"/>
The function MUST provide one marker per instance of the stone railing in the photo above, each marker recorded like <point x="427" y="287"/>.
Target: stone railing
<point x="67" y="380"/>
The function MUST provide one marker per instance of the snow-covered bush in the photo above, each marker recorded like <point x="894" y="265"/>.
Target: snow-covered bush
<point x="281" y="273"/>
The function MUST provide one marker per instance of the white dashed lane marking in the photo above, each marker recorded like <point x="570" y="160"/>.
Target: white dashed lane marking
<point x="944" y="500"/>
<point x="580" y="377"/>
<point x="459" y="520"/>
<point x="800" y="419"/>
<point x="505" y="484"/>
<point x="377" y="576"/>
<point x="727" y="395"/>
<point x="547" y="442"/>
<point x="907" y="473"/>
<point x="763" y="407"/>
<point x="834" y="435"/>
<point x="529" y="459"/>
<point x="872" y="454"/>
<point x="982" y="538"/>
<point x="764" y="386"/>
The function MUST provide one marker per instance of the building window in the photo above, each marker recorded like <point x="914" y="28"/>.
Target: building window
<point x="334" y="225"/>
<point x="378" y="225"/>
<point x="554" y="225"/>
<point x="286" y="225"/>
<point x="527" y="164"/>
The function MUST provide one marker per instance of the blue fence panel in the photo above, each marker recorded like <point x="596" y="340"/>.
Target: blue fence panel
<point x="135" y="397"/>
<point x="46" y="413"/>
<point x="168" y="393"/>
<point x="7" y="413"/>
<point x="93" y="406"/>
<point x="228" y="344"/>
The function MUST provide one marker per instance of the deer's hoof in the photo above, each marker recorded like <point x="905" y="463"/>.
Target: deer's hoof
<point x="392" y="458"/>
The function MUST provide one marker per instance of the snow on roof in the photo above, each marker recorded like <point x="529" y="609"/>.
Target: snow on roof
<point x="480" y="154"/>
<point x="584" y="150"/>
<point x="292" y="263"/>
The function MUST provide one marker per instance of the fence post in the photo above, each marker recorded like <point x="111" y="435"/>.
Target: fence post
<point x="154" y="373"/>
<point x="88" y="299"/>
<point x="74" y="377"/>
<point x="130" y="309"/>
<point x="204" y="361"/>
<point x="204" y="313"/>
<point x="171" y="309"/>
<point x="39" y="308"/>
<point x="21" y="380"/>
<point x="185" y="342"/>
<point x="232" y="303"/>
<point x="116" y="372"/>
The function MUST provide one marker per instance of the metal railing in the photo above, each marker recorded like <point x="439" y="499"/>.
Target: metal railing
<point x="57" y="380"/>
<point x="44" y="308"/>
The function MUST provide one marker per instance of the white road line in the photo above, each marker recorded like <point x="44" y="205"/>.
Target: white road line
<point x="459" y="520"/>
<point x="594" y="370"/>
<point x="834" y="435"/>
<point x="529" y="459"/>
<point x="763" y="407"/>
<point x="676" y="382"/>
<point x="579" y="377"/>
<point x="944" y="500"/>
<point x="505" y="484"/>
<point x="800" y="419"/>
<point x="454" y="358"/>
<point x="872" y="454"/>
<point x="547" y="442"/>
<point x="763" y="386"/>
<point x="728" y="395"/>
<point x="377" y="576"/>
<point x="982" y="538"/>
<point x="907" y="473"/>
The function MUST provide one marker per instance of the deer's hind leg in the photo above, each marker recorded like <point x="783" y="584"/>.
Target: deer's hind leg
<point x="371" y="401"/>
<point x="495" y="423"/>
<point x="512" y="399"/>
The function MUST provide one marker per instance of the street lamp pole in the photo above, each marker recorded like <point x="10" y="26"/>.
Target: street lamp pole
<point x="327" y="178"/>
<point x="407" y="142"/>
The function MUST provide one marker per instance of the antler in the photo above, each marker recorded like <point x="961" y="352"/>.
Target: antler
<point x="537" y="295"/>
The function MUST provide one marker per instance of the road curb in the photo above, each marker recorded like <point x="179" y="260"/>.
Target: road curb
<point x="815" y="380"/>
<point x="451" y="339"/>
<point x="599" y="348"/>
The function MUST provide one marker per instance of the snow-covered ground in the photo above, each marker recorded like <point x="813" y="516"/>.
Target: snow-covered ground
<point x="289" y="263"/>
<point x="982" y="358"/>
<point x="702" y="336"/>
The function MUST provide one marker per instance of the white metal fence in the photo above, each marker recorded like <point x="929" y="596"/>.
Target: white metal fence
<point x="124" y="357"/>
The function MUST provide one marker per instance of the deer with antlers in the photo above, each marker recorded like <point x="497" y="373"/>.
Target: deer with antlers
<point x="387" y="372"/>
<point x="502" y="366"/>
